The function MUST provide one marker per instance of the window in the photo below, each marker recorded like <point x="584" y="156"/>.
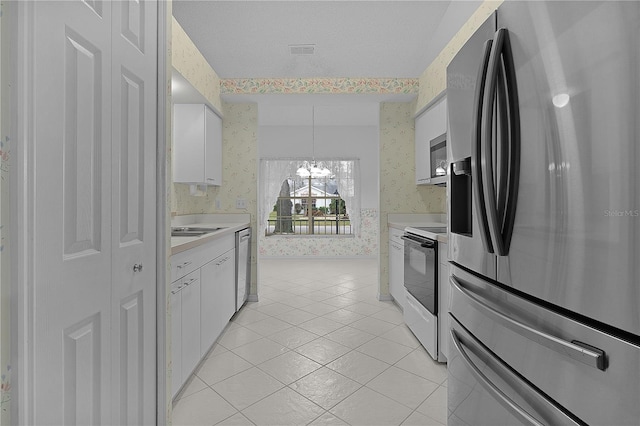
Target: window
<point x="309" y="206"/>
<point x="303" y="206"/>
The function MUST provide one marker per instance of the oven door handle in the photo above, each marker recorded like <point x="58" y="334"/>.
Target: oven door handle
<point x="412" y="239"/>
<point x="420" y="241"/>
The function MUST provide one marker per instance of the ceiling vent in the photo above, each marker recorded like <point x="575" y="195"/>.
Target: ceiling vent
<point x="302" y="49"/>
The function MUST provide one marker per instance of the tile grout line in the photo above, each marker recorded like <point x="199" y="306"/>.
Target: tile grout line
<point x="357" y="295"/>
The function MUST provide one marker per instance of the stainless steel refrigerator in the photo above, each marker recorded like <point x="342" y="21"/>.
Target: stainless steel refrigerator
<point x="544" y="216"/>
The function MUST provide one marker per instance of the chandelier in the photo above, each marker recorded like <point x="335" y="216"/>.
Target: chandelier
<point x="313" y="169"/>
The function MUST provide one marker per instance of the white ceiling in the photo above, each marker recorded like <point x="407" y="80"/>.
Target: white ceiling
<point x="376" y="39"/>
<point x="250" y="39"/>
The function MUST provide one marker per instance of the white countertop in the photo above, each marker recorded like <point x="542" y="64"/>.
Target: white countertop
<point x="402" y="225"/>
<point x="402" y="221"/>
<point x="229" y="222"/>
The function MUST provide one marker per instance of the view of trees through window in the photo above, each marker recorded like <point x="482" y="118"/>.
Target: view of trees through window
<point x="309" y="206"/>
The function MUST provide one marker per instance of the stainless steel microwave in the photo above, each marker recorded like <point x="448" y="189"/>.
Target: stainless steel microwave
<point x="438" y="155"/>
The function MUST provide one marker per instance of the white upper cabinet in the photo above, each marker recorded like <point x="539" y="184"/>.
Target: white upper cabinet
<point x="197" y="145"/>
<point x="429" y="125"/>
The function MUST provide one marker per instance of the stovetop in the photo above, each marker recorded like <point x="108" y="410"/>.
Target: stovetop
<point x="426" y="231"/>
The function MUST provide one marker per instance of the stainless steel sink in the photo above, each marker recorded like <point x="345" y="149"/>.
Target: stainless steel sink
<point x="191" y="231"/>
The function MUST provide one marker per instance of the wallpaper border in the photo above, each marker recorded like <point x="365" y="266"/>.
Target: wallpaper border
<point x="248" y="86"/>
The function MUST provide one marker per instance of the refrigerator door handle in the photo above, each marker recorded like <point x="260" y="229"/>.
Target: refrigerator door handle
<point x="488" y="181"/>
<point x="502" y="87"/>
<point x="476" y="147"/>
<point x="490" y="387"/>
<point x="577" y="351"/>
<point x="502" y="145"/>
<point x="513" y="164"/>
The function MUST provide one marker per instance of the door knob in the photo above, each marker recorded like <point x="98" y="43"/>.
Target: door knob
<point x="137" y="267"/>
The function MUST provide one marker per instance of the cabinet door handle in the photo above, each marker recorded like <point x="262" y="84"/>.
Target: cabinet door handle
<point x="222" y="261"/>
<point x="184" y="265"/>
<point x="137" y="267"/>
<point x="189" y="282"/>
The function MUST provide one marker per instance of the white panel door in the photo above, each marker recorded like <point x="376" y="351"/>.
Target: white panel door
<point x="72" y="218"/>
<point x="93" y="321"/>
<point x="133" y="157"/>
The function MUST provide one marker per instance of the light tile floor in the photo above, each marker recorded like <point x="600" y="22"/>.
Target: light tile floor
<point x="319" y="349"/>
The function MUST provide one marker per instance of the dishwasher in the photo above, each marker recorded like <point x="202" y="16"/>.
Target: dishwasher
<point x="243" y="266"/>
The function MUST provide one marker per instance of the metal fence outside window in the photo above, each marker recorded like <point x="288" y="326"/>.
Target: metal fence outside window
<point x="317" y="225"/>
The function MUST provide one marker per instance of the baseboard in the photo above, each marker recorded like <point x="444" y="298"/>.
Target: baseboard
<point x="385" y="297"/>
<point x="252" y="298"/>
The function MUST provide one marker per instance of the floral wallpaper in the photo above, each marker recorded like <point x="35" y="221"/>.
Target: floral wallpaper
<point x="247" y="86"/>
<point x="188" y="61"/>
<point x="398" y="190"/>
<point x="365" y="244"/>
<point x="7" y="161"/>
<point x="433" y="80"/>
<point x="240" y="167"/>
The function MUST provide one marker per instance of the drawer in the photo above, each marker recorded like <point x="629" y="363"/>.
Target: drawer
<point x="186" y="262"/>
<point x="395" y="236"/>
<point x="583" y="369"/>
<point x="218" y="247"/>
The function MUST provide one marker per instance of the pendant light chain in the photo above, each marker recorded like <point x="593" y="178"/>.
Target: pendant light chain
<point x="312" y="170"/>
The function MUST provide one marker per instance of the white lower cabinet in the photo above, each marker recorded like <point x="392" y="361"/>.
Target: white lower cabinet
<point x="185" y="327"/>
<point x="443" y="300"/>
<point x="202" y="302"/>
<point x="396" y="267"/>
<point x="176" y="338"/>
<point x="190" y="323"/>
<point x="217" y="301"/>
